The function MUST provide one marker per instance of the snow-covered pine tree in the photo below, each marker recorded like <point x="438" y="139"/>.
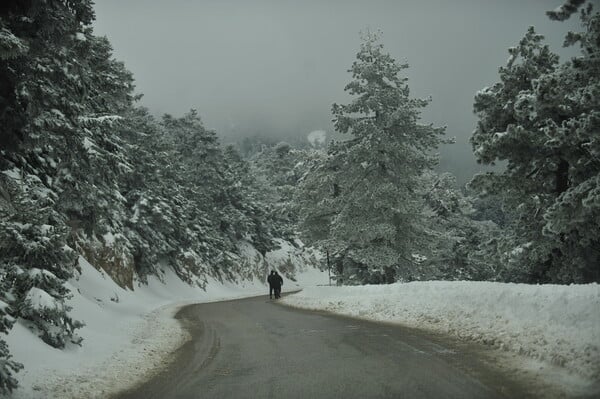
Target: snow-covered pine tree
<point x="67" y="93"/>
<point x="543" y="118"/>
<point x="11" y="47"/>
<point x="565" y="10"/>
<point x="39" y="99"/>
<point x="363" y="203"/>
<point x="457" y="241"/>
<point x="90" y="167"/>
<point x="152" y="194"/>
<point x="34" y="255"/>
<point x="7" y="366"/>
<point x="97" y="158"/>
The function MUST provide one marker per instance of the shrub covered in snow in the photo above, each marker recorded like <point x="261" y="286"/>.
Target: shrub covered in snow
<point x="7" y="366"/>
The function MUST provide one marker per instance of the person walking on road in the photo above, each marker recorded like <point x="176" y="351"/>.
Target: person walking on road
<point x="271" y="281"/>
<point x="275" y="282"/>
<point x="278" y="282"/>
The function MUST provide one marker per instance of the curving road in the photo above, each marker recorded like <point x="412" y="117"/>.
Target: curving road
<point x="256" y="348"/>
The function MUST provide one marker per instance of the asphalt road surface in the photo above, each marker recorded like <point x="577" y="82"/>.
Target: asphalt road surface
<point x="257" y="348"/>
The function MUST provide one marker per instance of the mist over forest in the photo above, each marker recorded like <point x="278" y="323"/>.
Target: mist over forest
<point x="274" y="68"/>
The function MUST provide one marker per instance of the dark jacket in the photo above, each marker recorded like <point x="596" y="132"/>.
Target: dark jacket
<point x="278" y="281"/>
<point x="275" y="280"/>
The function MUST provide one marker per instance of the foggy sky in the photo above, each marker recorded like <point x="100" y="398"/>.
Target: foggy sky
<point x="275" y="67"/>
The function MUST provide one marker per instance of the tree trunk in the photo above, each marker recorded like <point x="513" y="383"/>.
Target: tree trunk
<point x="562" y="177"/>
<point x="336" y="190"/>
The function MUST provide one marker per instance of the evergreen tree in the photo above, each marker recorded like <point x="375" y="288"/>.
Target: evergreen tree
<point x="362" y="202"/>
<point x="543" y="118"/>
<point x="458" y="243"/>
<point x="40" y="94"/>
<point x="565" y="10"/>
<point x="7" y="366"/>
<point x="67" y="92"/>
<point x="151" y="194"/>
<point x="34" y="255"/>
<point x="198" y="159"/>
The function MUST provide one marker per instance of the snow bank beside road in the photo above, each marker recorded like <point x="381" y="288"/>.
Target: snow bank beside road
<point x="553" y="323"/>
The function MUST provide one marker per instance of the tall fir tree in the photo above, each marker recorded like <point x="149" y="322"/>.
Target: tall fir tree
<point x="362" y="203"/>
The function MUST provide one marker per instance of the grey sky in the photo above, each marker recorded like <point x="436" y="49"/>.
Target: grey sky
<point x="275" y="67"/>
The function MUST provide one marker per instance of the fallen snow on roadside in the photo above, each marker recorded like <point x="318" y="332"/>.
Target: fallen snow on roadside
<point x="552" y="323"/>
<point x="128" y="336"/>
<point x="152" y="340"/>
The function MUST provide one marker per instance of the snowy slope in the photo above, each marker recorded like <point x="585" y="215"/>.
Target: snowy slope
<point x="128" y="334"/>
<point x="556" y="324"/>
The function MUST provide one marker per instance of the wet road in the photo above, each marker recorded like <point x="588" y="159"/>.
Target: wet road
<point x="255" y="348"/>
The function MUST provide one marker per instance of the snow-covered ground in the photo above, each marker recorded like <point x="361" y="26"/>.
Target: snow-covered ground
<point x="553" y="324"/>
<point x="127" y="336"/>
